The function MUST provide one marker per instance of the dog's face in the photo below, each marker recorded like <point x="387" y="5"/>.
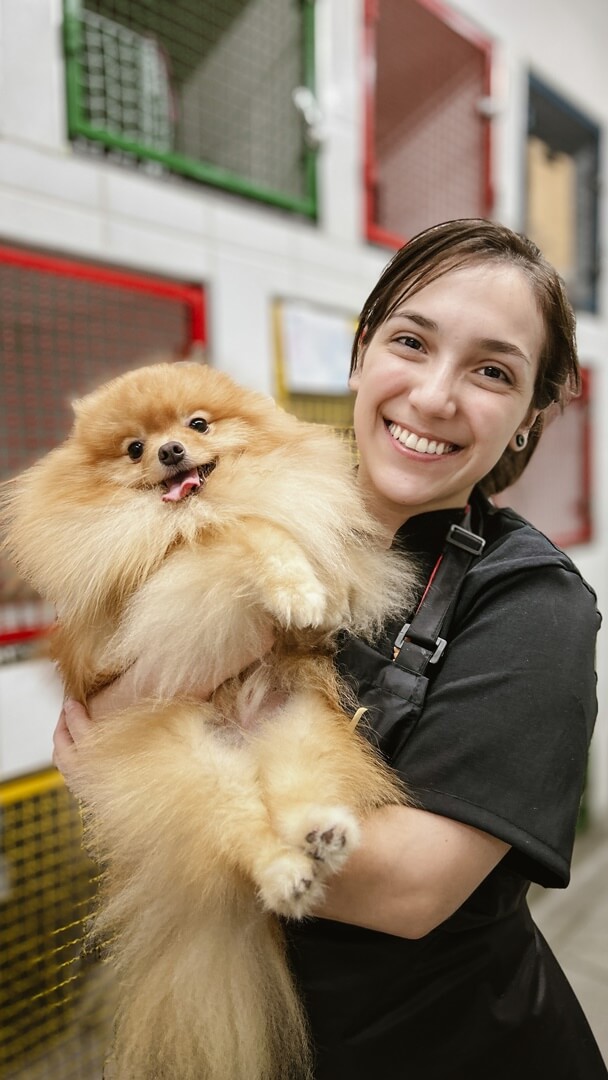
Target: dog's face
<point x="168" y="427"/>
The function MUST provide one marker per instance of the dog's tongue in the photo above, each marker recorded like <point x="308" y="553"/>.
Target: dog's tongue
<point x="181" y="485"/>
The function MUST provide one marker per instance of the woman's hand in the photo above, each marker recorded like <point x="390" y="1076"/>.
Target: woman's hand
<point x="75" y="720"/>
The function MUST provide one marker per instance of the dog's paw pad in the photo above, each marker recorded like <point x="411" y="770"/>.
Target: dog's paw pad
<point x="289" y="886"/>
<point x="327" y="834"/>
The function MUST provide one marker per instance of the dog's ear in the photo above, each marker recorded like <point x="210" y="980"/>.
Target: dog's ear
<point x="76" y="405"/>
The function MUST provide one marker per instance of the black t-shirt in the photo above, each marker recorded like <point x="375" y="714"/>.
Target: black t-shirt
<point x="500" y="744"/>
<point x="503" y="739"/>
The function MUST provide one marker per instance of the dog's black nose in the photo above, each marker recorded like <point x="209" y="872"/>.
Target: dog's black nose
<point x="171" y="453"/>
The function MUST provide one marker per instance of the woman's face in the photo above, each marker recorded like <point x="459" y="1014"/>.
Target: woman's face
<point x="442" y="388"/>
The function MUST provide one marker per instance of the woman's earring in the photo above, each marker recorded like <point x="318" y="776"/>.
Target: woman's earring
<point x="520" y="440"/>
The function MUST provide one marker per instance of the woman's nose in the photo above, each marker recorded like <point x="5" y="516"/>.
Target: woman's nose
<point x="434" y="393"/>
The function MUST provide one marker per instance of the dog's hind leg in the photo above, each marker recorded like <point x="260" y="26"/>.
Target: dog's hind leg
<point x="319" y="781"/>
<point x="169" y="771"/>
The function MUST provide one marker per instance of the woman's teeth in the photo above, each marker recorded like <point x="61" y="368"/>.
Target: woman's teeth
<point x="419" y="443"/>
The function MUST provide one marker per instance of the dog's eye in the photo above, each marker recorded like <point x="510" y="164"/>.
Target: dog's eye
<point x="199" y="424"/>
<point x="135" y="450"/>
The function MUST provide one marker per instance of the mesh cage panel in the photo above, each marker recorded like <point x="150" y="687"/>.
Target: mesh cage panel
<point x="54" y="1006"/>
<point x="327" y="409"/>
<point x="64" y="328"/>
<point x="427" y="139"/>
<point x="204" y="88"/>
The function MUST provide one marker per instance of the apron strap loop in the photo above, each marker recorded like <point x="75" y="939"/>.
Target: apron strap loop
<point x="354" y="720"/>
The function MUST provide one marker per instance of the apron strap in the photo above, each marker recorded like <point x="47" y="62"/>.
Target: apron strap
<point x="419" y="643"/>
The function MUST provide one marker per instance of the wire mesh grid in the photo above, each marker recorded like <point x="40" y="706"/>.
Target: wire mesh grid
<point x="427" y="138"/>
<point x="128" y="83"/>
<point x="336" y="412"/>
<point x="55" y="1013"/>
<point x="64" y="328"/>
<point x="205" y="88"/>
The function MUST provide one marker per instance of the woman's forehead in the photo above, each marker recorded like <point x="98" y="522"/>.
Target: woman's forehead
<point x="447" y="268"/>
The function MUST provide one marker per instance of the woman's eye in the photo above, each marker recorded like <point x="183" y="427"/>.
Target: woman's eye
<point x="199" y="424"/>
<point x="135" y="450"/>
<point x="493" y="372"/>
<point x="408" y="342"/>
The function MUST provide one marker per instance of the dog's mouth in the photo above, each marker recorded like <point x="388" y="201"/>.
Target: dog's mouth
<point x="189" y="482"/>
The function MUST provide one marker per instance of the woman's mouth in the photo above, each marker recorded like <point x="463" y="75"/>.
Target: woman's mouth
<point x="420" y="443"/>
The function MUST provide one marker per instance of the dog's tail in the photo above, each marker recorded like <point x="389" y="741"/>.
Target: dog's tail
<point x="203" y="987"/>
<point x="215" y="1003"/>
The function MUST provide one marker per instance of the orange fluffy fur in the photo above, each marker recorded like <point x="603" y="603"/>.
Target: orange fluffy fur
<point x="207" y="825"/>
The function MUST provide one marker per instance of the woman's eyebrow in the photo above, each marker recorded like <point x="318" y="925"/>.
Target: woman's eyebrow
<point x="413" y="316"/>
<point x="507" y="348"/>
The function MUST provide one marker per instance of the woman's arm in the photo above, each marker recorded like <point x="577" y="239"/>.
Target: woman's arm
<point x="506" y="741"/>
<point x="412" y="871"/>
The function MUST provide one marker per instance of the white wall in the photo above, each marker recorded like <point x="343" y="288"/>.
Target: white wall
<point x="247" y="253"/>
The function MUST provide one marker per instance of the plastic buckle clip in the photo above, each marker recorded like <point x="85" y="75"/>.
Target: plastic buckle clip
<point x="466" y="540"/>
<point x="440" y="644"/>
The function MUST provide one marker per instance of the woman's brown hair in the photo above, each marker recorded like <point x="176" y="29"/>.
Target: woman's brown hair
<point x="455" y="244"/>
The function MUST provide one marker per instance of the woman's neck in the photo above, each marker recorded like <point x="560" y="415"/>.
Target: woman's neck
<point x="394" y="516"/>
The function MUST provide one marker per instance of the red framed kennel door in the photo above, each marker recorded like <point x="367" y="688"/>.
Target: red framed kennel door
<point x="427" y="119"/>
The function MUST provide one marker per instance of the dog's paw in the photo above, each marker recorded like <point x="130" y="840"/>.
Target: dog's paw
<point x="337" y="614"/>
<point x="294" y="595"/>
<point x="328" y="835"/>
<point x="290" y="885"/>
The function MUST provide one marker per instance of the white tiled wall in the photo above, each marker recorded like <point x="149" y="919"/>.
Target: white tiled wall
<point x="30" y="702"/>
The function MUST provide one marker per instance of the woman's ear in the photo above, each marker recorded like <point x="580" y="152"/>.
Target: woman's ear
<point x="532" y="417"/>
<point x="355" y="377"/>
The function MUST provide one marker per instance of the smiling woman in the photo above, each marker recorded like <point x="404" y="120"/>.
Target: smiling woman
<point x="425" y="960"/>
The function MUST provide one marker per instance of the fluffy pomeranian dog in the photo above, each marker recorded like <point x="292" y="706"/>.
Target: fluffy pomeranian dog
<point x="183" y="525"/>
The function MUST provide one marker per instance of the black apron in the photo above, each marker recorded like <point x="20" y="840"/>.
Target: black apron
<point x="479" y="998"/>
<point x="393" y="690"/>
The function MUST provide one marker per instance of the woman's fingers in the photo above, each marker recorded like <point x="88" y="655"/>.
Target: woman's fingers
<point x="74" y="721"/>
<point x="77" y="719"/>
<point x="63" y="745"/>
<point x="61" y="735"/>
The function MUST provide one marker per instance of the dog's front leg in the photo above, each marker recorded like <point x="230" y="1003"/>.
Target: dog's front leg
<point x="287" y="584"/>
